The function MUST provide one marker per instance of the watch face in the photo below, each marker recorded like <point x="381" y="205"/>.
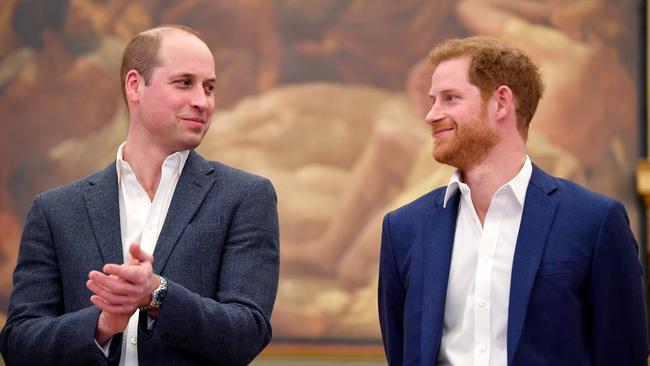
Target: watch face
<point x="158" y="295"/>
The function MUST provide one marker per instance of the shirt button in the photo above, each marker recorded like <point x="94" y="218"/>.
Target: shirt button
<point x="482" y="303"/>
<point x="134" y="341"/>
<point x="482" y="348"/>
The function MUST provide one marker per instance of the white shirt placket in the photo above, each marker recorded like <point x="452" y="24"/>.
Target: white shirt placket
<point x="141" y="221"/>
<point x="482" y="290"/>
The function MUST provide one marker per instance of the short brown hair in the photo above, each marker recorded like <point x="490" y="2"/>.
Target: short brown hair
<point x="141" y="54"/>
<point x="494" y="63"/>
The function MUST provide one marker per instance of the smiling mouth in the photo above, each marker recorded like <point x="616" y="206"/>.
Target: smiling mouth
<point x="194" y="119"/>
<point x="439" y="132"/>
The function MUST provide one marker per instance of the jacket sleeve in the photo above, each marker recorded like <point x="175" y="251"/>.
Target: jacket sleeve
<point x="233" y="328"/>
<point x="615" y="295"/>
<point x="37" y="331"/>
<point x="391" y="297"/>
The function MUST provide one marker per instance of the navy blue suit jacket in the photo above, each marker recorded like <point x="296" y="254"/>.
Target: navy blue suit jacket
<point x="218" y="249"/>
<point x="576" y="291"/>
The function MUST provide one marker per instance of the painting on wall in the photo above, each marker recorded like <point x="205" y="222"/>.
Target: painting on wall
<point x="327" y="100"/>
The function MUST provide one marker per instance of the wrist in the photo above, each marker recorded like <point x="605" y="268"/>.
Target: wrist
<point x="153" y="286"/>
<point x="157" y="296"/>
<point x="104" y="331"/>
<point x="155" y="283"/>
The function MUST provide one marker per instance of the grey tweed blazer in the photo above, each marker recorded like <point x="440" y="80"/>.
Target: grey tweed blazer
<point x="218" y="248"/>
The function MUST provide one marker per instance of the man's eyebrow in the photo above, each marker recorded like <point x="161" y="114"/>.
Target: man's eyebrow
<point x="184" y="75"/>
<point x="449" y="90"/>
<point x="445" y="91"/>
<point x="189" y="75"/>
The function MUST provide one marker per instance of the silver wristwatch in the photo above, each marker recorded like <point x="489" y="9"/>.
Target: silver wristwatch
<point x="157" y="296"/>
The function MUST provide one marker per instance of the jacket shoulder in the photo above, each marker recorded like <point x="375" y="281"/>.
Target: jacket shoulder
<point x="574" y="200"/>
<point x="234" y="174"/>
<point x="238" y="183"/>
<point x="421" y="204"/>
<point x="571" y="194"/>
<point x="73" y="189"/>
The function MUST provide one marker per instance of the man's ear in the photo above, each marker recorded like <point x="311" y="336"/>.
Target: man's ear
<point x="133" y="84"/>
<point x="505" y="101"/>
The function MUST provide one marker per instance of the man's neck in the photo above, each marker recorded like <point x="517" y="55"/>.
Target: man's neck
<point x="146" y="162"/>
<point x="489" y="175"/>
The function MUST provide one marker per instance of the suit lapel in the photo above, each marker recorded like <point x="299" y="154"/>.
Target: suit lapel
<point x="536" y="221"/>
<point x="103" y="205"/>
<point x="437" y="245"/>
<point x="193" y="185"/>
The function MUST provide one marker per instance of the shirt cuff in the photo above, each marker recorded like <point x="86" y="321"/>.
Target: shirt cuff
<point x="106" y="348"/>
<point x="150" y="321"/>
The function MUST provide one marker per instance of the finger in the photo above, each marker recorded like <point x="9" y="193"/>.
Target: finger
<point x="115" y="284"/>
<point x="125" y="303"/>
<point x="102" y="304"/>
<point x="137" y="253"/>
<point x="137" y="275"/>
<point x="95" y="274"/>
<point x="104" y="285"/>
<point x="98" y="276"/>
<point x="118" y="309"/>
<point x="133" y="261"/>
<point x="140" y="280"/>
<point x="107" y="294"/>
<point x="134" y="250"/>
<point x="112" y="283"/>
<point x="126" y="270"/>
<point x="111" y="297"/>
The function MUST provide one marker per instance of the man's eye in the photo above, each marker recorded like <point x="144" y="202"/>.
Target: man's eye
<point x="184" y="82"/>
<point x="209" y="89"/>
<point x="450" y="98"/>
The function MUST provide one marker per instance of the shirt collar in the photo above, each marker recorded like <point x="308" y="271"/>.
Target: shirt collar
<point x="175" y="161"/>
<point x="518" y="184"/>
<point x="452" y="186"/>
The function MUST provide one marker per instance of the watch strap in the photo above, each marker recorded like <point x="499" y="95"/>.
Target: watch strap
<point x="157" y="296"/>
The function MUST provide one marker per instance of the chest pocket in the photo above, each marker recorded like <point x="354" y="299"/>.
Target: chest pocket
<point x="557" y="269"/>
<point x="195" y="259"/>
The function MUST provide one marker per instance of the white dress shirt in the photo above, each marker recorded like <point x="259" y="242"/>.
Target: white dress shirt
<point x="476" y="309"/>
<point x="141" y="221"/>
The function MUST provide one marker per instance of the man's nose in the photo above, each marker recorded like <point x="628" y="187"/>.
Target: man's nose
<point x="435" y="114"/>
<point x="199" y="99"/>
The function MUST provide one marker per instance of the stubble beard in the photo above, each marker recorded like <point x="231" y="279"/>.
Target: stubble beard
<point x="187" y="140"/>
<point x="468" y="145"/>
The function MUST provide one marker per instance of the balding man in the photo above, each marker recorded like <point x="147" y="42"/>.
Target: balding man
<point x="162" y="258"/>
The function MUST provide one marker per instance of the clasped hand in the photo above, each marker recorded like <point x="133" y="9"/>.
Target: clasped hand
<point x="120" y="290"/>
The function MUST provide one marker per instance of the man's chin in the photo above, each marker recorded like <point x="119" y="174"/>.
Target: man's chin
<point x="189" y="142"/>
<point x="442" y="156"/>
<point x="443" y="146"/>
<point x="451" y="157"/>
<point x="191" y="145"/>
